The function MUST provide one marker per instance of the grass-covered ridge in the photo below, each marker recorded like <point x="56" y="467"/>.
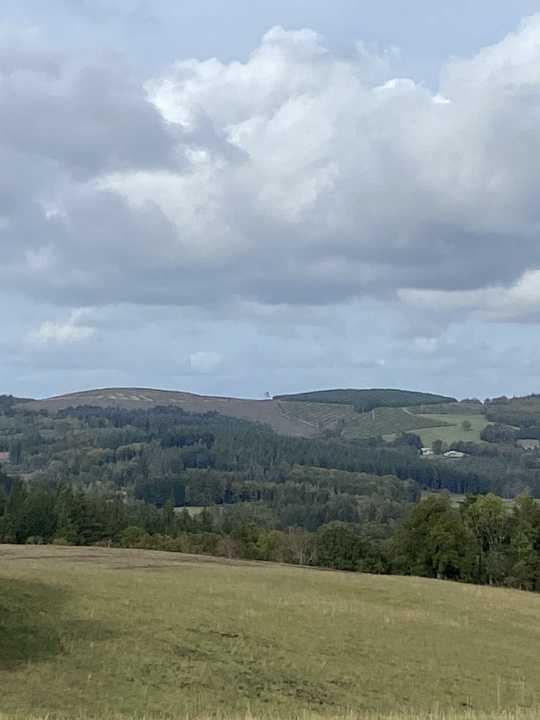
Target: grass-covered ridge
<point x="93" y="632"/>
<point x="368" y="399"/>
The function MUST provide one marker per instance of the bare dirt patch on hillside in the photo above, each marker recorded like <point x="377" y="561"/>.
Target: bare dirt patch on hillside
<point x="268" y="412"/>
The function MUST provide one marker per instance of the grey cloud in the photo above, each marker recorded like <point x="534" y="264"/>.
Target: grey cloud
<point x="295" y="177"/>
<point x="89" y="119"/>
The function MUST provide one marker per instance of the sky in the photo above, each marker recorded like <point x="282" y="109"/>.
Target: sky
<point x="238" y="198"/>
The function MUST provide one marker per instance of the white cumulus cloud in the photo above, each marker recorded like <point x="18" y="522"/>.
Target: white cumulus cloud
<point x="68" y="331"/>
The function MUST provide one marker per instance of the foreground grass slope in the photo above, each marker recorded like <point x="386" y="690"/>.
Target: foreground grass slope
<point x="515" y="714"/>
<point x="94" y="632"/>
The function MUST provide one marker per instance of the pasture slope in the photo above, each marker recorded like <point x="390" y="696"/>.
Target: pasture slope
<point x="451" y="429"/>
<point x="105" y="633"/>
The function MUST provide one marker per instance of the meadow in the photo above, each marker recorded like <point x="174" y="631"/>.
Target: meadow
<point x="450" y="429"/>
<point x="387" y="421"/>
<point x="106" y="633"/>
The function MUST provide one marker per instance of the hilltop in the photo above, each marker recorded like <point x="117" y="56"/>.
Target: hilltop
<point x="96" y="632"/>
<point x="355" y="413"/>
<point x="365" y="400"/>
<point x="269" y="412"/>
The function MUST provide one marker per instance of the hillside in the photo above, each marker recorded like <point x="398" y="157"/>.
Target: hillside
<point x="268" y="412"/>
<point x="120" y="439"/>
<point x="94" y="632"/>
<point x="284" y="414"/>
<point x="368" y="399"/>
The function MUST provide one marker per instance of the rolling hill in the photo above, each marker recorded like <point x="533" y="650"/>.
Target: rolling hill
<point x="269" y="412"/>
<point x="97" y="632"/>
<point x="365" y="400"/>
<point x="286" y="416"/>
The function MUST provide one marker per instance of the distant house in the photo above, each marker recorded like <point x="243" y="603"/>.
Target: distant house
<point x="528" y="444"/>
<point x="4" y="457"/>
<point x="454" y="454"/>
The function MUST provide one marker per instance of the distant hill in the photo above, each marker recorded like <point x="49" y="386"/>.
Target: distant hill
<point x="7" y="402"/>
<point x="305" y="415"/>
<point x="368" y="399"/>
<point x="268" y="412"/>
<point x="521" y="412"/>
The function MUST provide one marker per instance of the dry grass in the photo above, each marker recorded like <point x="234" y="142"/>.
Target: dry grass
<point x="467" y="715"/>
<point x="101" y="633"/>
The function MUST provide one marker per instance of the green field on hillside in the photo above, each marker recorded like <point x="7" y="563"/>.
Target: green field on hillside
<point x="453" y="430"/>
<point x="352" y="424"/>
<point x="95" y="632"/>
<point x="385" y="421"/>
<point x="320" y="416"/>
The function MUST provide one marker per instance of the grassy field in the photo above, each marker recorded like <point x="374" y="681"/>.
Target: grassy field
<point x="452" y="431"/>
<point x="379" y="421"/>
<point x="384" y="421"/>
<point x="102" y="633"/>
<point x="516" y="714"/>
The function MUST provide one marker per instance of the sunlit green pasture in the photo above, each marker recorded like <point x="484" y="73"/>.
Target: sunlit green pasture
<point x="453" y="431"/>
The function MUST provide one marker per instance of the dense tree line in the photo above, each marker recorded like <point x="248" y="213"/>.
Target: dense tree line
<point x="520" y="413"/>
<point x="125" y="477"/>
<point x="160" y="452"/>
<point x="482" y="540"/>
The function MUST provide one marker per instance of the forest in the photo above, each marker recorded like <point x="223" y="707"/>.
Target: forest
<point x="364" y="400"/>
<point x="168" y="479"/>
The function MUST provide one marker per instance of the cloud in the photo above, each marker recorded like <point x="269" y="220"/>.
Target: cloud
<point x="520" y="302"/>
<point x="205" y="362"/>
<point x="330" y="219"/>
<point x="297" y="177"/>
<point x="64" y="332"/>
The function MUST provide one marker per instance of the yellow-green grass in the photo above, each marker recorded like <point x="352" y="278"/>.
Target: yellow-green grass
<point x="453" y="430"/>
<point x="383" y="421"/>
<point x="102" y="633"/>
<point x="516" y="714"/>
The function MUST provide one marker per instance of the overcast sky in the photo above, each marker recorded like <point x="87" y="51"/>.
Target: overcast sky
<point x="237" y="197"/>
